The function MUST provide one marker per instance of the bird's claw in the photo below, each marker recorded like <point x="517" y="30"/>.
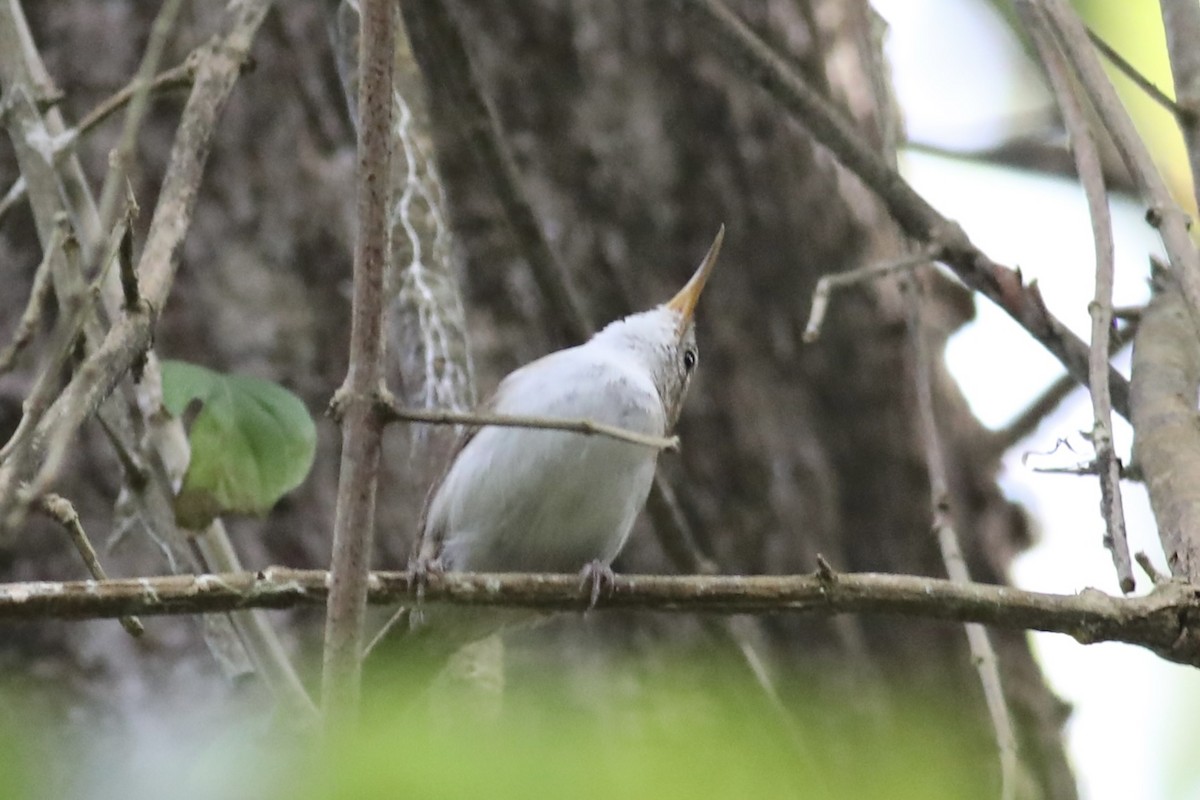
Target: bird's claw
<point x="601" y="579"/>
<point x="419" y="571"/>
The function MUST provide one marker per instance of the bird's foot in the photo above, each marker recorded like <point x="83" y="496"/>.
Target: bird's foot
<point x="600" y="577"/>
<point x="419" y="571"/>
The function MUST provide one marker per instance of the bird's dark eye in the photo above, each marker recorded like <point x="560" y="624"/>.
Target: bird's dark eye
<point x="689" y="359"/>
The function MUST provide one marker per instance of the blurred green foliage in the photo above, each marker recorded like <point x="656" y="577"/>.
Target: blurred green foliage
<point x="684" y="732"/>
<point x="688" y="733"/>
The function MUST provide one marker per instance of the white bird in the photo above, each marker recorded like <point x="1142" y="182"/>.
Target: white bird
<point x="529" y="500"/>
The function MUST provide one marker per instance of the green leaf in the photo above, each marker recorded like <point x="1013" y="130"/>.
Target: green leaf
<point x="252" y="442"/>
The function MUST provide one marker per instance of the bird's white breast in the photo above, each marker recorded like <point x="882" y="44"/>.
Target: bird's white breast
<point x="539" y="500"/>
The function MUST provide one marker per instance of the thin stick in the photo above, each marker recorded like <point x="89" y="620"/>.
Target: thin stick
<point x="920" y="220"/>
<point x="62" y="511"/>
<point x="362" y="424"/>
<point x="217" y="69"/>
<point x="1141" y="81"/>
<point x="587" y="427"/>
<point x="17" y="455"/>
<point x="122" y="155"/>
<point x="176" y="77"/>
<point x="1091" y="176"/>
<point x="840" y="280"/>
<point x="38" y="296"/>
<point x="260" y="639"/>
<point x="983" y="654"/>
<point x="1027" y="421"/>
<point x="1164" y="213"/>
<point x="1091" y="616"/>
<point x="1181" y="21"/>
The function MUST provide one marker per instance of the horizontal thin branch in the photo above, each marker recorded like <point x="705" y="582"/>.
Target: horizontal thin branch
<point x="587" y="427"/>
<point x="841" y="280"/>
<point x="1156" y="621"/>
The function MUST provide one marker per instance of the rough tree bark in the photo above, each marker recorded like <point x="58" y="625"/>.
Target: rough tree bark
<point x="634" y="142"/>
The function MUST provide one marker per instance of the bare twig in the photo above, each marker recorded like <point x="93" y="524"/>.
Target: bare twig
<point x="1028" y="420"/>
<point x="841" y="280"/>
<point x="1181" y="21"/>
<point x="176" y="77"/>
<point x="38" y="296"/>
<point x="1152" y="621"/>
<point x="62" y="511"/>
<point x="216" y="71"/>
<point x="1091" y="176"/>
<point x="1090" y="469"/>
<point x="122" y="155"/>
<point x="52" y="187"/>
<point x="983" y="655"/>
<point x="17" y="456"/>
<point x="1164" y="213"/>
<point x="218" y="65"/>
<point x="587" y="427"/>
<point x="362" y="424"/>
<point x="261" y="641"/>
<point x="1141" y="81"/>
<point x="1003" y="286"/>
<point x="1143" y="561"/>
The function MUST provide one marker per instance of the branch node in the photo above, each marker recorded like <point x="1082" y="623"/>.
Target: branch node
<point x="825" y="572"/>
<point x="1143" y="561"/>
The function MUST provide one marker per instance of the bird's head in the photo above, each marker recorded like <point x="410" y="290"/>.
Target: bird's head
<point x="663" y="339"/>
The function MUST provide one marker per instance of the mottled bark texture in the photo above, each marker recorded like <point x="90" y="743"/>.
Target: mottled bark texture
<point x="634" y="143"/>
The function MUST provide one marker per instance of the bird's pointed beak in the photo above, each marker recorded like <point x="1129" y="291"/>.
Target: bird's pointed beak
<point x="689" y="295"/>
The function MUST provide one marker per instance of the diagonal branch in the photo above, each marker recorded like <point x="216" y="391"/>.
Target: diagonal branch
<point x="1141" y="81"/>
<point x="177" y="77"/>
<point x="1164" y="213"/>
<point x="920" y="220"/>
<point x="217" y="69"/>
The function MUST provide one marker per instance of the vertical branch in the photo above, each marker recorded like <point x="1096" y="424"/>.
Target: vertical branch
<point x="982" y="652"/>
<point x="1181" y="21"/>
<point x="1164" y="213"/>
<point x="122" y="155"/>
<point x="425" y="320"/>
<point x="1091" y="176"/>
<point x="362" y="423"/>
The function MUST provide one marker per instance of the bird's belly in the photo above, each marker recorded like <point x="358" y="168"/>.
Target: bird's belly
<point x="563" y="500"/>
